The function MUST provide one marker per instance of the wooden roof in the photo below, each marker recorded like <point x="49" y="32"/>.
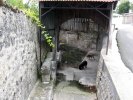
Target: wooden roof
<point x="84" y="0"/>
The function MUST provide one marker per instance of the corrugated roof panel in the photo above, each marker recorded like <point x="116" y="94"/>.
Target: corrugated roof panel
<point x="84" y="0"/>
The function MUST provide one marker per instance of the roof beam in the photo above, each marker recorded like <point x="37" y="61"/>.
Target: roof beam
<point x="77" y="8"/>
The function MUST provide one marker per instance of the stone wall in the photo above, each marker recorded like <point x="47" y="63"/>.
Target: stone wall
<point x="82" y="33"/>
<point x="127" y="18"/>
<point x="114" y="79"/>
<point x="80" y="40"/>
<point x="105" y="86"/>
<point x="77" y="37"/>
<point x="19" y="55"/>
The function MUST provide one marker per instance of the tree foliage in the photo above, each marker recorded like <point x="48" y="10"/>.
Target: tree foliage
<point x="131" y="7"/>
<point x="32" y="11"/>
<point x="124" y="7"/>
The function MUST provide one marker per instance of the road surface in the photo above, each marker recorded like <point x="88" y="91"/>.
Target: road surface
<point x="125" y="44"/>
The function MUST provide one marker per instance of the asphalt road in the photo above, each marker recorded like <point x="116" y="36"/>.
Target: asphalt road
<point x="125" y="44"/>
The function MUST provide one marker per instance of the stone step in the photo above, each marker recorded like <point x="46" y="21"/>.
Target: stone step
<point x="42" y="91"/>
<point x="85" y="77"/>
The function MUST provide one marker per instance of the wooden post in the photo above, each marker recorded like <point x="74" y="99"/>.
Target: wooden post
<point x="57" y="38"/>
<point x="40" y="33"/>
<point x="109" y="41"/>
<point x="56" y="35"/>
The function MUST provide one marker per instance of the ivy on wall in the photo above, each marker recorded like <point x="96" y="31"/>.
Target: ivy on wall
<point x="32" y="11"/>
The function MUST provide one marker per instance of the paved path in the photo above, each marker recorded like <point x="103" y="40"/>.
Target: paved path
<point x="125" y="44"/>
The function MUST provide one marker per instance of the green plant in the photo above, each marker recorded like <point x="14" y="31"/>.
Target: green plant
<point x="15" y="3"/>
<point x="131" y="7"/>
<point x="124" y="7"/>
<point x="31" y="10"/>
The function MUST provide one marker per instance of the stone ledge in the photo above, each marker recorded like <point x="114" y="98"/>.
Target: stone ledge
<point x="114" y="79"/>
<point x="46" y="68"/>
<point x="121" y="76"/>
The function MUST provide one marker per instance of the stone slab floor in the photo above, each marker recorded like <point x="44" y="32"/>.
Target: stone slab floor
<point x="72" y="84"/>
<point x="85" y="77"/>
<point x="67" y="86"/>
<point x="63" y="91"/>
<point x="72" y="91"/>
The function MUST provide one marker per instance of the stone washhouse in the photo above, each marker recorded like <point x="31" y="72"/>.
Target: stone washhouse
<point x="79" y="67"/>
<point x="85" y="63"/>
<point x="78" y="28"/>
